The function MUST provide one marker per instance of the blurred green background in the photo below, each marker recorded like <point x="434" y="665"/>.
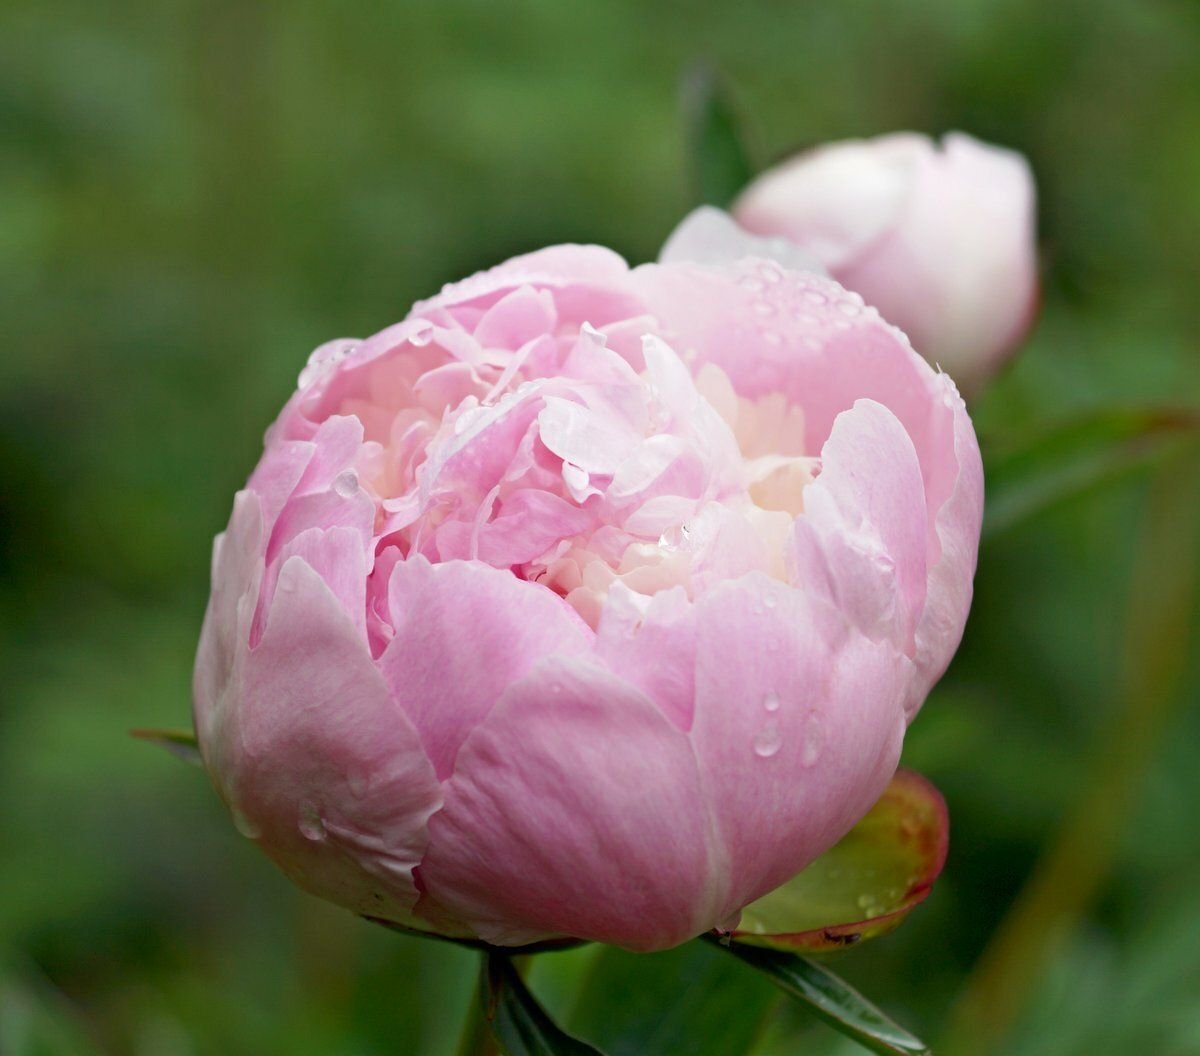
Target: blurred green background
<point x="193" y="195"/>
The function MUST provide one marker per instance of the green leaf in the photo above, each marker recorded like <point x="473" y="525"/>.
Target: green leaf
<point x="518" y="1022"/>
<point x="690" y="999"/>
<point x="180" y="743"/>
<point x="1070" y="458"/>
<point x="829" y="997"/>
<point x="715" y="150"/>
<point x="865" y="885"/>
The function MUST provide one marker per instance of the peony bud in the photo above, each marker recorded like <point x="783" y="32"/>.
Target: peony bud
<point x="941" y="239"/>
<point x="587" y="602"/>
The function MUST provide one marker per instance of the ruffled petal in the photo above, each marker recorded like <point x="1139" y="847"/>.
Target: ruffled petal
<point x="862" y="540"/>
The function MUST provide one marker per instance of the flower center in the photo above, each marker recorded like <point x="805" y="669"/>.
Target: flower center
<point x="573" y="468"/>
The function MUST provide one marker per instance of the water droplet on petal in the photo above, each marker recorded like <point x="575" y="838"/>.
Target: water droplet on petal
<point x="345" y="484"/>
<point x="324" y="358"/>
<point x="311" y="826"/>
<point x="676" y="537"/>
<point x="767" y="741"/>
<point x="771" y="702"/>
<point x="421" y="336"/>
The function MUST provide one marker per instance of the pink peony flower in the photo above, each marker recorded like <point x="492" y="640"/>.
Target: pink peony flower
<point x="940" y="238"/>
<point x="587" y="601"/>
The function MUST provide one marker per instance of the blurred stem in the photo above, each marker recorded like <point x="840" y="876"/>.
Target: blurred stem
<point x="477" y="1038"/>
<point x="1075" y="865"/>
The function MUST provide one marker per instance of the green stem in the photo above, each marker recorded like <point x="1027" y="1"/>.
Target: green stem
<point x="477" y="1039"/>
<point x="1076" y="864"/>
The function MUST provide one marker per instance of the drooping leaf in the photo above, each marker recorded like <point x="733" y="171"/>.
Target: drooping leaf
<point x="1070" y="458"/>
<point x="520" y="1025"/>
<point x="865" y="885"/>
<point x="716" y="150"/>
<point x="180" y="743"/>
<point x="829" y="997"/>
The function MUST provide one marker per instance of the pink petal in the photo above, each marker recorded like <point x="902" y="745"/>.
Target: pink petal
<point x="574" y="810"/>
<point x="321" y="766"/>
<point x="237" y="567"/>
<point x="464" y="632"/>
<point x="595" y="442"/>
<point x="836" y="200"/>
<point x="797" y="727"/>
<point x="958" y="520"/>
<point x="523" y="315"/>
<point x="862" y="540"/>
<point x="650" y="642"/>
<point x="588" y="282"/>
<point x="711" y="236"/>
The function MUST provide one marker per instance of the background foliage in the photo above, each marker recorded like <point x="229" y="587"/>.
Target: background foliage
<point x="194" y="194"/>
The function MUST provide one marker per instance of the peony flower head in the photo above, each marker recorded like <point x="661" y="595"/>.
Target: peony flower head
<point x="587" y="601"/>
<point x="939" y="237"/>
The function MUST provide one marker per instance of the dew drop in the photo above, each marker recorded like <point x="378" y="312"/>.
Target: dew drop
<point x="848" y="309"/>
<point x="311" y="826"/>
<point x="324" y="358"/>
<point x="866" y="902"/>
<point x="815" y="297"/>
<point x="771" y="702"/>
<point x="767" y="741"/>
<point x="675" y="538"/>
<point x="345" y="484"/>
<point x="422" y="336"/>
